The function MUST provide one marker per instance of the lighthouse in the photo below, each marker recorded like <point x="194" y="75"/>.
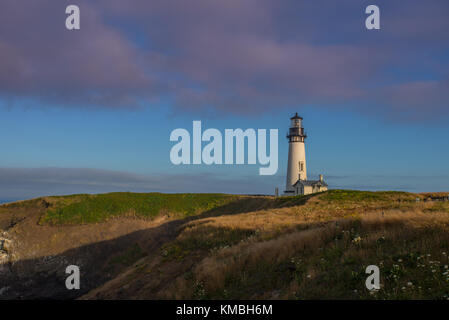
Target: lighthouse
<point x="296" y="169"/>
<point x="297" y="183"/>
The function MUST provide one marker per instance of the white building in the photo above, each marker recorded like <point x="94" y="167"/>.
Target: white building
<point x="297" y="183"/>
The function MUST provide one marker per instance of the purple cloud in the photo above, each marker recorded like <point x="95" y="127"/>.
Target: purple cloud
<point x="418" y="101"/>
<point x="40" y="59"/>
<point x="25" y="183"/>
<point x="233" y="56"/>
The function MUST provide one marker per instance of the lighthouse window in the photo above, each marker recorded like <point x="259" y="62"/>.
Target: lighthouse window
<point x="301" y="166"/>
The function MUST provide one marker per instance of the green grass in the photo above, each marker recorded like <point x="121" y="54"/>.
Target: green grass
<point x="79" y="209"/>
<point x="86" y="208"/>
<point x="204" y="238"/>
<point x="131" y="255"/>
<point x="366" y="196"/>
<point x="408" y="271"/>
<point x="290" y="201"/>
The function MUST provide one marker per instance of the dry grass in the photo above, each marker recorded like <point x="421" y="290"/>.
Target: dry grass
<point x="302" y="248"/>
<point x="298" y="252"/>
<point x="311" y="247"/>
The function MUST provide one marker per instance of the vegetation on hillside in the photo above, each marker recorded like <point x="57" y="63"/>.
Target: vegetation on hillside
<point x="329" y="261"/>
<point x="318" y="250"/>
<point x="87" y="208"/>
<point x="247" y="247"/>
<point x="80" y="209"/>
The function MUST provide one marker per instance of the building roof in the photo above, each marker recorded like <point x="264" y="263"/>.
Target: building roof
<point x="296" y="116"/>
<point x="311" y="183"/>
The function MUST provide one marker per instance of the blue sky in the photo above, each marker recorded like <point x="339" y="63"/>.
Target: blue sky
<point x="353" y="151"/>
<point x="92" y="110"/>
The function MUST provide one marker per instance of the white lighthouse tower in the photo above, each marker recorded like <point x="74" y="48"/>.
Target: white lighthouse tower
<point x="297" y="182"/>
<point x="296" y="169"/>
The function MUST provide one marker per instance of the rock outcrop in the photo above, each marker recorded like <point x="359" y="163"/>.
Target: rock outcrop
<point x="5" y="245"/>
<point x="5" y="252"/>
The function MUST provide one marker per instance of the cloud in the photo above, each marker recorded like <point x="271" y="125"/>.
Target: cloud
<point x="40" y="59"/>
<point x="24" y="183"/>
<point x="234" y="56"/>
<point x="420" y="100"/>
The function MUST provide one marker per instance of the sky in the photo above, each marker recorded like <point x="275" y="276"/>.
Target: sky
<point x="91" y="110"/>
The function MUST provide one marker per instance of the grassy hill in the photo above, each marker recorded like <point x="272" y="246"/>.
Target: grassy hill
<point x="97" y="208"/>
<point x="217" y="246"/>
<point x="87" y="208"/>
